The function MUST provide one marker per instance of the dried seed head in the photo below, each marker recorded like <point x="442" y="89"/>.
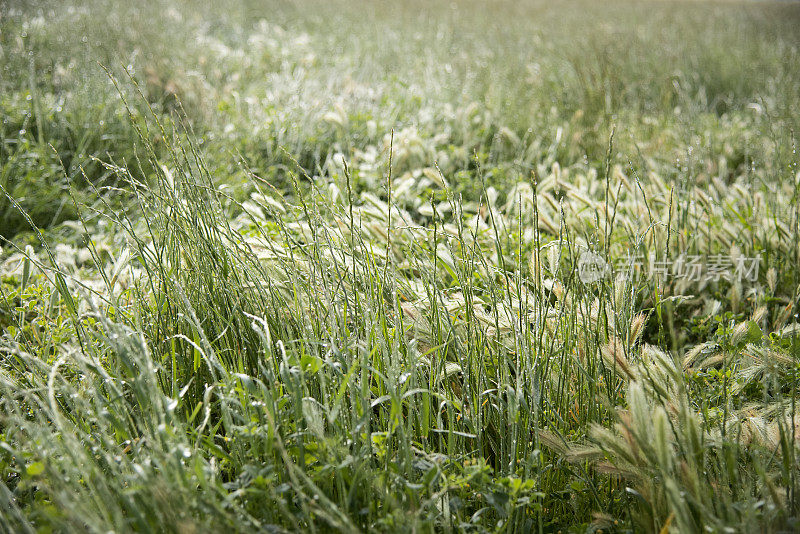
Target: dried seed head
<point x="552" y="441"/>
<point x="553" y="254"/>
<point x="535" y="267"/>
<point x="739" y="332"/>
<point x="772" y="279"/>
<point x="620" y="290"/>
<point x="692" y="355"/>
<point x="735" y="296"/>
<point x="661" y="440"/>
<point x="759" y="314"/>
<point x="637" y="327"/>
<point x="613" y="353"/>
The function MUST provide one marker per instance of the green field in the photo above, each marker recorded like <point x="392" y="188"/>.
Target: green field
<point x="340" y="266"/>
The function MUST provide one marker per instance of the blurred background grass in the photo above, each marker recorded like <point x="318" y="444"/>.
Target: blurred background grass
<point x="328" y="77"/>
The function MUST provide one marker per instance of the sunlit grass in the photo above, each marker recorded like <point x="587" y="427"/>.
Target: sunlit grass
<point x="320" y="268"/>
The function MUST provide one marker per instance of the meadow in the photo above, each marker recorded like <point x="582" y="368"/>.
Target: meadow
<point x="333" y="266"/>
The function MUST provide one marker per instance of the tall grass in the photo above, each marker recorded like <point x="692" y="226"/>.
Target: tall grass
<point x="382" y="329"/>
